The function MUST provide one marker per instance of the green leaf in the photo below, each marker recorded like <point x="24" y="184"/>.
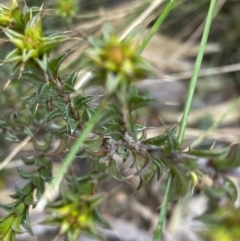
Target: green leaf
<point x="141" y="182"/>
<point x="112" y="82"/>
<point x="28" y="200"/>
<point x="10" y="137"/>
<point x="214" y="192"/>
<point x="181" y="183"/>
<point x="35" y="22"/>
<point x="54" y="114"/>
<point x="28" y="161"/>
<point x="131" y="126"/>
<point x="65" y="110"/>
<point x="28" y="131"/>
<point x="80" y="101"/>
<point x="88" y="113"/>
<point x="43" y="62"/>
<point x="101" y="167"/>
<point x="5" y="226"/>
<point x="55" y="62"/>
<point x="65" y="228"/>
<point x="113" y="130"/>
<point x="231" y="190"/>
<point x="16" y="14"/>
<point x="93" y="144"/>
<point x="72" y="125"/>
<point x="95" y="200"/>
<point x="148" y="175"/>
<point x="95" y="42"/>
<point x="68" y="88"/>
<point x="159" y="166"/>
<point x="158" y="140"/>
<point x="25" y="175"/>
<point x="40" y="185"/>
<point x="7" y="207"/>
<point x="228" y="163"/>
<point x="28" y="13"/>
<point x="73" y="234"/>
<point x="112" y="167"/>
<point x="26" y="222"/>
<point x="68" y="194"/>
<point x="220" y="153"/>
<point x="25" y="190"/>
<point x="145" y="177"/>
<point x="52" y="220"/>
<point x="71" y="80"/>
<point x="109" y="119"/>
<point x="14" y="56"/>
<point x="143" y="136"/>
<point x="46" y="173"/>
<point x="16" y="224"/>
<point x="123" y="152"/>
<point x="3" y="124"/>
<point x="41" y="90"/>
<point x="14" y="37"/>
<point x="43" y="147"/>
<point x="58" y="131"/>
<point x="16" y="196"/>
<point x="141" y="160"/>
<point x="172" y="143"/>
<point x="31" y="76"/>
<point x="167" y="141"/>
<point x="19" y="208"/>
<point x="140" y="127"/>
<point x="49" y="43"/>
<point x="139" y="101"/>
<point x="99" y="219"/>
<point x="28" y="54"/>
<point x="10" y="236"/>
<point x="83" y="183"/>
<point x="231" y="162"/>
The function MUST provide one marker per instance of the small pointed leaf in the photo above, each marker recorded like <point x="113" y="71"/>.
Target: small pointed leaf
<point x="54" y="114"/>
<point x="56" y="61"/>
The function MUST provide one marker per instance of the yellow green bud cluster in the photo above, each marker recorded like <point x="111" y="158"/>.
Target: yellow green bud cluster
<point x="75" y="215"/>
<point x="223" y="225"/>
<point x="31" y="44"/>
<point x="10" y="225"/>
<point x="66" y="9"/>
<point x="111" y="55"/>
<point x="11" y="17"/>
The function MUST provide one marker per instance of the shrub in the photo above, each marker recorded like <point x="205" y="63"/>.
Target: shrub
<point x="47" y="108"/>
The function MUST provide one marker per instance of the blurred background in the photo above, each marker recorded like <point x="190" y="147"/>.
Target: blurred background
<point x="214" y="118"/>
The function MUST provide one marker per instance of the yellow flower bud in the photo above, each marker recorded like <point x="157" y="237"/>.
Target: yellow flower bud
<point x="194" y="178"/>
<point x="5" y="21"/>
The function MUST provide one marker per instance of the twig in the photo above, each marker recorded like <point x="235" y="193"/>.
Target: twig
<point x="142" y="17"/>
<point x="15" y="152"/>
<point x="209" y="71"/>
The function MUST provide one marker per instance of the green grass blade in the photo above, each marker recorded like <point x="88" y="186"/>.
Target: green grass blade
<point x="163" y="211"/>
<point x="196" y="70"/>
<point x="156" y="25"/>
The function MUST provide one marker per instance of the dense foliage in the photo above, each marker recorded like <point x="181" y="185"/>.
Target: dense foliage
<point x="43" y="104"/>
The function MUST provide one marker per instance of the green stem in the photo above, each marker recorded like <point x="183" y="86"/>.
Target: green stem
<point x="163" y="211"/>
<point x="156" y="25"/>
<point x="196" y="71"/>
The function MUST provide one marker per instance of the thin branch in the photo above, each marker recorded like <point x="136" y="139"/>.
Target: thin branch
<point x="15" y="151"/>
<point x="142" y="17"/>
